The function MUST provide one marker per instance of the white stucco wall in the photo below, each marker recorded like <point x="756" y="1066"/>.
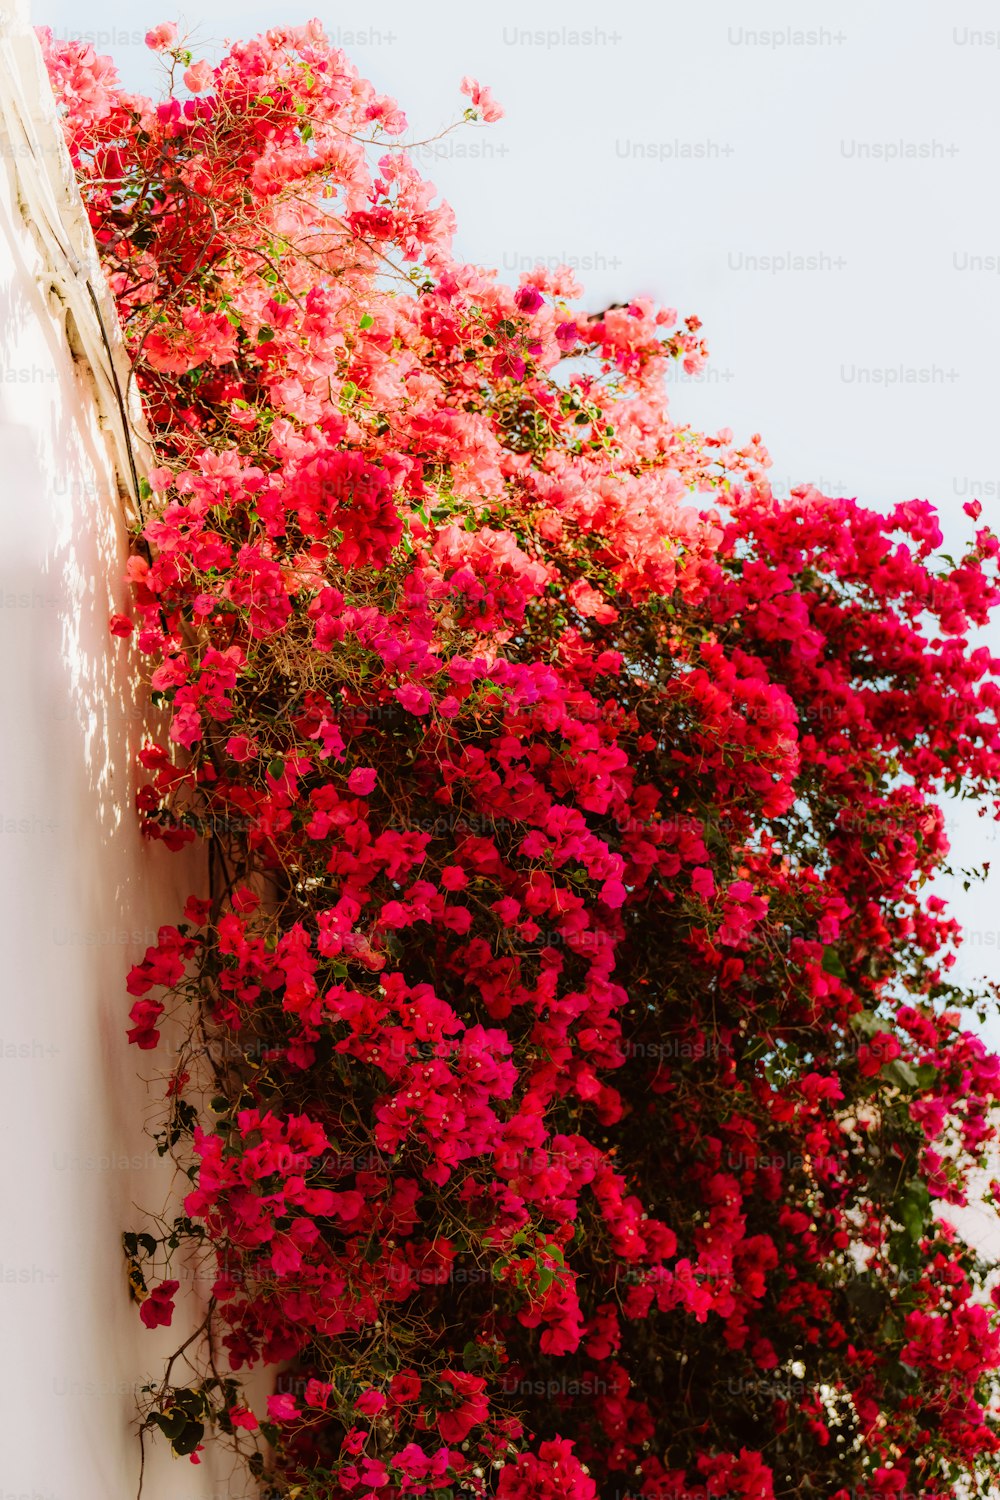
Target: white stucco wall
<point x="82" y="894"/>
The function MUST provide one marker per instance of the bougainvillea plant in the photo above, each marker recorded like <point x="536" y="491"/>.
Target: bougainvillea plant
<point x="571" y="1087"/>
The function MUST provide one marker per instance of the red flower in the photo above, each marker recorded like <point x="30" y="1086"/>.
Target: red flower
<point x="158" y="1308"/>
<point x="455" y="1425"/>
<point x="405" y="1386"/>
<point x="145" y="1014"/>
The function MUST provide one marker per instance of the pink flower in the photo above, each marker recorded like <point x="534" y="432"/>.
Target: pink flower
<point x="567" y="336"/>
<point x="241" y="747"/>
<point x="198" y="77"/>
<point x="282" y="1408"/>
<point x="362" y="780"/>
<point x="529" y="299"/>
<point x="370" y="1403"/>
<point x="416" y="700"/>
<point x="121" y="625"/>
<point x="591" y="602"/>
<point x="158" y="1308"/>
<point x="482" y="99"/>
<point x="509" y="364"/>
<point x="161" y="37"/>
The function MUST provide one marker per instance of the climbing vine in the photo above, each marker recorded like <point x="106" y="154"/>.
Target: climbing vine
<point x="571" y="1086"/>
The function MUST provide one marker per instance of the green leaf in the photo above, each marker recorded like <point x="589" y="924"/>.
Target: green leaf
<point x="912" y="1208"/>
<point x="366" y="321"/>
<point x="171" y="1423"/>
<point x="864" y="1296"/>
<point x="474" y="1355"/>
<point x="832" y="963"/>
<point x="265" y="335"/>
<point x="189" y="1401"/>
<point x="900" y="1073"/>
<point x="189" y="1439"/>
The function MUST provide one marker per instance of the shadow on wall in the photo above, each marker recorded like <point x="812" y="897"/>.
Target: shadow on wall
<point x="83" y="894"/>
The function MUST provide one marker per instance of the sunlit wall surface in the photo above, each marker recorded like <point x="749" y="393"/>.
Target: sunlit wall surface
<point x="81" y="893"/>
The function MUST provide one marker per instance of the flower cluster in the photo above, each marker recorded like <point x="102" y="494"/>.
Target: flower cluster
<point x="571" y="1086"/>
